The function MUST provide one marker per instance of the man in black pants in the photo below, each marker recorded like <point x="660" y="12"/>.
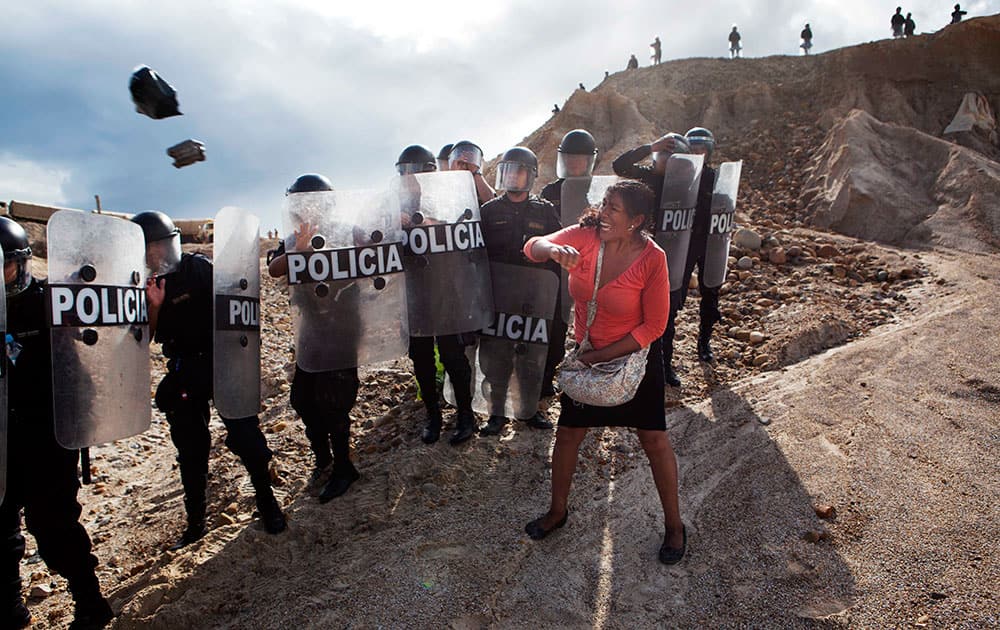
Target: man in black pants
<point x="702" y="142"/>
<point x="322" y="399"/>
<point x="508" y="222"/>
<point x="418" y="159"/>
<point x="180" y="298"/>
<point x="41" y="474"/>
<point x="575" y="157"/>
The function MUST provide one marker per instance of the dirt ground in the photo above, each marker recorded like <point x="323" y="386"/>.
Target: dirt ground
<point x="893" y="430"/>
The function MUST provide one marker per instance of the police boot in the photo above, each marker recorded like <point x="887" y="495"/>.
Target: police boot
<point x="465" y="426"/>
<point x="91" y="611"/>
<point x="432" y="431"/>
<point x="494" y="426"/>
<point x="669" y="376"/>
<point x="17" y="616"/>
<point x="195" y="483"/>
<point x="344" y="474"/>
<point x="704" y="347"/>
<point x="267" y="506"/>
<point x="539" y="421"/>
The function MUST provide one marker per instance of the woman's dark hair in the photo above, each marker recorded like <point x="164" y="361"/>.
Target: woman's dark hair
<point x="637" y="198"/>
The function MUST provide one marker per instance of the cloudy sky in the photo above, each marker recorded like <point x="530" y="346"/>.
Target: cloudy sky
<point x="282" y="87"/>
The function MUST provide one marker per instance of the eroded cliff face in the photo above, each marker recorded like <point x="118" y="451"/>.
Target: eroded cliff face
<point x="851" y="140"/>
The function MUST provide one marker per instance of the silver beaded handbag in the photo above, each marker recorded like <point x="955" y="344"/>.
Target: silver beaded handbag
<point x="606" y="384"/>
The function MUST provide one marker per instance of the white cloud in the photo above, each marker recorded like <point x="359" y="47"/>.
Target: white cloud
<point x="32" y="181"/>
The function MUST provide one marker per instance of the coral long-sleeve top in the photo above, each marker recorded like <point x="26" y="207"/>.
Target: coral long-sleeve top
<point x="635" y="303"/>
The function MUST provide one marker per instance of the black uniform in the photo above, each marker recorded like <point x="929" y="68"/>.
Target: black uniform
<point x="324" y="401"/>
<point x="507" y="226"/>
<point x="552" y="192"/>
<point x="709" y="308"/>
<point x="626" y="165"/>
<point x="185" y="328"/>
<point x="41" y="475"/>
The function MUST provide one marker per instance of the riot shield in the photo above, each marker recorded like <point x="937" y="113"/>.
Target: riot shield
<point x="447" y="271"/>
<point x="720" y="229"/>
<point x="236" y="280"/>
<point x="510" y="357"/>
<point x="346" y="281"/>
<point x="675" y="217"/>
<point x="3" y="389"/>
<point x="99" y="327"/>
<point x="576" y="196"/>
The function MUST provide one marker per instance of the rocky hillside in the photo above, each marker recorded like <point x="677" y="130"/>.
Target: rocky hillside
<point x="794" y="122"/>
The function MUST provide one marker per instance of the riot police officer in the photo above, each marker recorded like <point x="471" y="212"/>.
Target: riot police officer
<point x="628" y="164"/>
<point x="180" y="300"/>
<point x="701" y="141"/>
<point x="467" y="156"/>
<point x="508" y="222"/>
<point x="323" y="400"/>
<point x="451" y="348"/>
<point x="41" y="475"/>
<point x="575" y="157"/>
<point x="442" y="157"/>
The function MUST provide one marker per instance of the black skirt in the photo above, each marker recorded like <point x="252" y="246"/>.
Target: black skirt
<point x="645" y="411"/>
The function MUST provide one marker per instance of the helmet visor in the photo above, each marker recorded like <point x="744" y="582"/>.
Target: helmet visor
<point x="20" y="274"/>
<point x="163" y="256"/>
<point x="410" y="168"/>
<point x="462" y="157"/>
<point x="514" y="177"/>
<point x="574" y="165"/>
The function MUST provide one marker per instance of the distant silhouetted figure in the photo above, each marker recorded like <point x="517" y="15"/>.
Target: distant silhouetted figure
<point x="583" y="88"/>
<point x="656" y="51"/>
<point x="897" y="22"/>
<point x="734" y="43"/>
<point x="909" y="27"/>
<point x="633" y="63"/>
<point x="956" y="15"/>
<point x="606" y="74"/>
<point x="807" y="39"/>
<point x="555" y="109"/>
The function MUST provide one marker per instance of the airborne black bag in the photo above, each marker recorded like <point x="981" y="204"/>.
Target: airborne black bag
<point x="153" y="96"/>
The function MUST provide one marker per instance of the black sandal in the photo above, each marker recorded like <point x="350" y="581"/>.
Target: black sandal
<point x="535" y="530"/>
<point x="673" y="555"/>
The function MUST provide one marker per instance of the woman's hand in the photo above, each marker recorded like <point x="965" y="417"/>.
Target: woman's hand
<point x="589" y="357"/>
<point x="567" y="257"/>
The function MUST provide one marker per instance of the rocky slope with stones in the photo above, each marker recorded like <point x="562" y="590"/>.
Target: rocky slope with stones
<point x="807" y="477"/>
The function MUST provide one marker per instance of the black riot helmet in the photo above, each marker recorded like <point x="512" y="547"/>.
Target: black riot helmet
<point x="699" y="137"/>
<point x="517" y="170"/>
<point x="310" y="182"/>
<point x="416" y="158"/>
<point x="442" y="158"/>
<point x="577" y="154"/>
<point x="467" y="153"/>
<point x="163" y="242"/>
<point x="16" y="250"/>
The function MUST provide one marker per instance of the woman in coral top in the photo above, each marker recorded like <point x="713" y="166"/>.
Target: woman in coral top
<point x="633" y="301"/>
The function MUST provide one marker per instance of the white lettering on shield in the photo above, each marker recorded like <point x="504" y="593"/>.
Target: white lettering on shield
<point x="677" y="220"/>
<point x="244" y="313"/>
<point x="518" y="328"/>
<point x="721" y="223"/>
<point x="344" y="264"/>
<point x="76" y="305"/>
<point x="440" y="238"/>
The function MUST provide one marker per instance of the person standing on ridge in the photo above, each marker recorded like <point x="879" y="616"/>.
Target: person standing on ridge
<point x="909" y="27"/>
<point x="734" y="43"/>
<point x="956" y="15"/>
<point x="633" y="63"/>
<point x="656" y="56"/>
<point x="897" y="22"/>
<point x="807" y="40"/>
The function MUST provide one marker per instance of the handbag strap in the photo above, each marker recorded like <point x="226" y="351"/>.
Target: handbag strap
<point x="592" y="304"/>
